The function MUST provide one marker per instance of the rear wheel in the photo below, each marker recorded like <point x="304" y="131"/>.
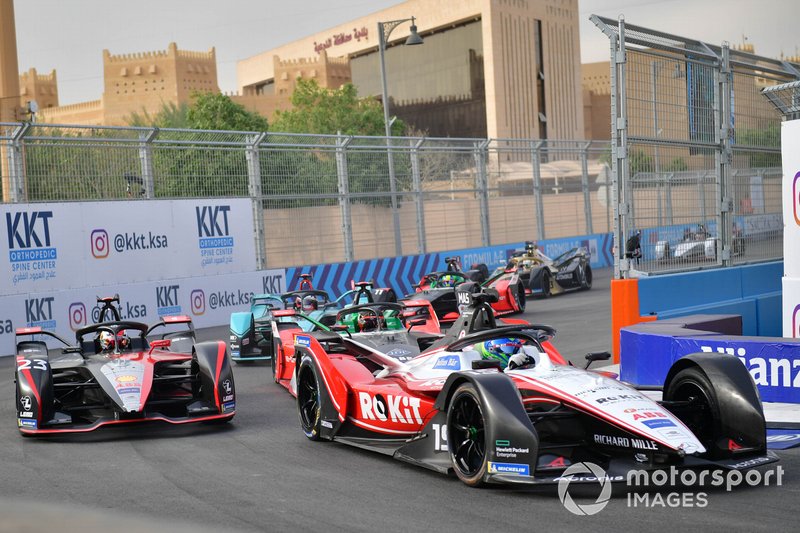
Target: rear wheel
<point x="586" y="278"/>
<point x="519" y="297"/>
<point x="545" y="284"/>
<point x="466" y="435"/>
<point x="308" y="398"/>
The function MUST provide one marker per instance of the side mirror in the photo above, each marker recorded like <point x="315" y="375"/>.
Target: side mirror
<point x="159" y="344"/>
<point x="416" y="322"/>
<point x="340" y="328"/>
<point x="596" y="356"/>
<point x="481" y="364"/>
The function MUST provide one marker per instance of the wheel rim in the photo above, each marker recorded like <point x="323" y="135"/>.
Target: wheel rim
<point x="467" y="436"/>
<point x="700" y="421"/>
<point x="308" y="399"/>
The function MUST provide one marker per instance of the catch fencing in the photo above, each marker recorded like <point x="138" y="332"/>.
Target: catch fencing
<point x="696" y="160"/>
<point x="327" y="198"/>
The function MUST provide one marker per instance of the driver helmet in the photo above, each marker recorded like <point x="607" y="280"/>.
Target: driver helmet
<point x="123" y="341"/>
<point x="310" y="303"/>
<point x="448" y="280"/>
<point x="368" y="322"/>
<point x="500" y="349"/>
<point x="298" y="303"/>
<point x="106" y="340"/>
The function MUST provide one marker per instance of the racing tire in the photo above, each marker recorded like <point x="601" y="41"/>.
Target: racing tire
<point x="519" y="297"/>
<point x="545" y="284"/>
<point x="586" y="278"/>
<point x="308" y="398"/>
<point x="273" y="366"/>
<point x="466" y="435"/>
<point x="692" y="384"/>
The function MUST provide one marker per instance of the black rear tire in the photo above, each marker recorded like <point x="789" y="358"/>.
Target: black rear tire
<point x="545" y="284"/>
<point x="308" y="398"/>
<point x="586" y="280"/>
<point x="466" y="439"/>
<point x="519" y="296"/>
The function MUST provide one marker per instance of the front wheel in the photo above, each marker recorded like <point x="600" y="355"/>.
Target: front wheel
<point x="519" y="297"/>
<point x="545" y="284"/>
<point x="703" y="418"/>
<point x="466" y="435"/>
<point x="308" y="398"/>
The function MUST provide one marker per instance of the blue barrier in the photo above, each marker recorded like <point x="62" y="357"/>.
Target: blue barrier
<point x="401" y="273"/>
<point x="649" y="349"/>
<point x="752" y="291"/>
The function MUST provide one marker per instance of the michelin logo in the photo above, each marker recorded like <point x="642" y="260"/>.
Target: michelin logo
<point x="509" y="468"/>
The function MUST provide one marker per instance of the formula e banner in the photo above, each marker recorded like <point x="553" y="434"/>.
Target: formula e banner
<point x="55" y="246"/>
<point x="208" y="300"/>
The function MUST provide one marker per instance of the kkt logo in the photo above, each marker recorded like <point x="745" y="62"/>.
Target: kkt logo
<point x="795" y="199"/>
<point x="197" y="301"/>
<point x="99" y="243"/>
<point x="212" y="226"/>
<point x="272" y="284"/>
<point x="77" y="315"/>
<point x="39" y="312"/>
<point x="167" y="300"/>
<point x="29" y="236"/>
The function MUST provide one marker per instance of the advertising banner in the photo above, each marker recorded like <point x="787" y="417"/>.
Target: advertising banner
<point x="208" y="300"/>
<point x="790" y="142"/>
<point x="47" y="247"/>
<point x="791" y="307"/>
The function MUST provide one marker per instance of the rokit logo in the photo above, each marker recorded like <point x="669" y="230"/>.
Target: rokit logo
<point x="213" y="233"/>
<point x="39" y="312"/>
<point x="399" y="409"/>
<point x="30" y="250"/>
<point x="167" y="300"/>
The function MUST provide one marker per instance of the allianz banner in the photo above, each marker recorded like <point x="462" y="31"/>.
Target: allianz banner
<point x="56" y="246"/>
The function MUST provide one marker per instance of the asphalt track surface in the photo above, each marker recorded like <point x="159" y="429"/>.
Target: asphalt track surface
<point x="259" y="473"/>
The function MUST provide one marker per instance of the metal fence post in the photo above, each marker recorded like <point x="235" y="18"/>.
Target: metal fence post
<point x="619" y="147"/>
<point x="536" y="160"/>
<point x="344" y="195"/>
<point x="587" y="196"/>
<point x="146" y="160"/>
<point x="419" y="201"/>
<point x="16" y="165"/>
<point x="483" y="189"/>
<point x="253" y="158"/>
<point x="722" y="130"/>
<point x="668" y="193"/>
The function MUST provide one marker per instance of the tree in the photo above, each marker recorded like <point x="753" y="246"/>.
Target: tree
<point x="769" y="137"/>
<point x="208" y="111"/>
<point x="329" y="111"/>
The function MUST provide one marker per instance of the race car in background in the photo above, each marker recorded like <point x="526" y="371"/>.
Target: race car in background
<point x="117" y="373"/>
<point x="698" y="245"/>
<point x="494" y="407"/>
<point x="542" y="276"/>
<point x="439" y="288"/>
<point x="251" y="331"/>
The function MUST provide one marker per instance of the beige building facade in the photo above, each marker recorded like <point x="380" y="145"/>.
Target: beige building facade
<point x="518" y="61"/>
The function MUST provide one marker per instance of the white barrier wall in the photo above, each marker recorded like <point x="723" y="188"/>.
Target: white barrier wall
<point x="56" y="246"/>
<point x="208" y="300"/>
<point x="790" y="150"/>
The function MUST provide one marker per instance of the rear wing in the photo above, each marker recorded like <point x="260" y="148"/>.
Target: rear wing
<point x="284" y="312"/>
<point x="37" y="330"/>
<point x="171" y="320"/>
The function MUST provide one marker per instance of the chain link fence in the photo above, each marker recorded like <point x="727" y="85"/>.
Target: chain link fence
<point x="695" y="152"/>
<point x="327" y="198"/>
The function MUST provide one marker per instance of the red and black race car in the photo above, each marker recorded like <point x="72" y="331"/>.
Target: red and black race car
<point x="494" y="407"/>
<point x="439" y="288"/>
<point x="117" y="374"/>
<point x="385" y="324"/>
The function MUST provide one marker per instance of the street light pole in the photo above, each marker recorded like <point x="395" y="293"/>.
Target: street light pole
<point x="384" y="30"/>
